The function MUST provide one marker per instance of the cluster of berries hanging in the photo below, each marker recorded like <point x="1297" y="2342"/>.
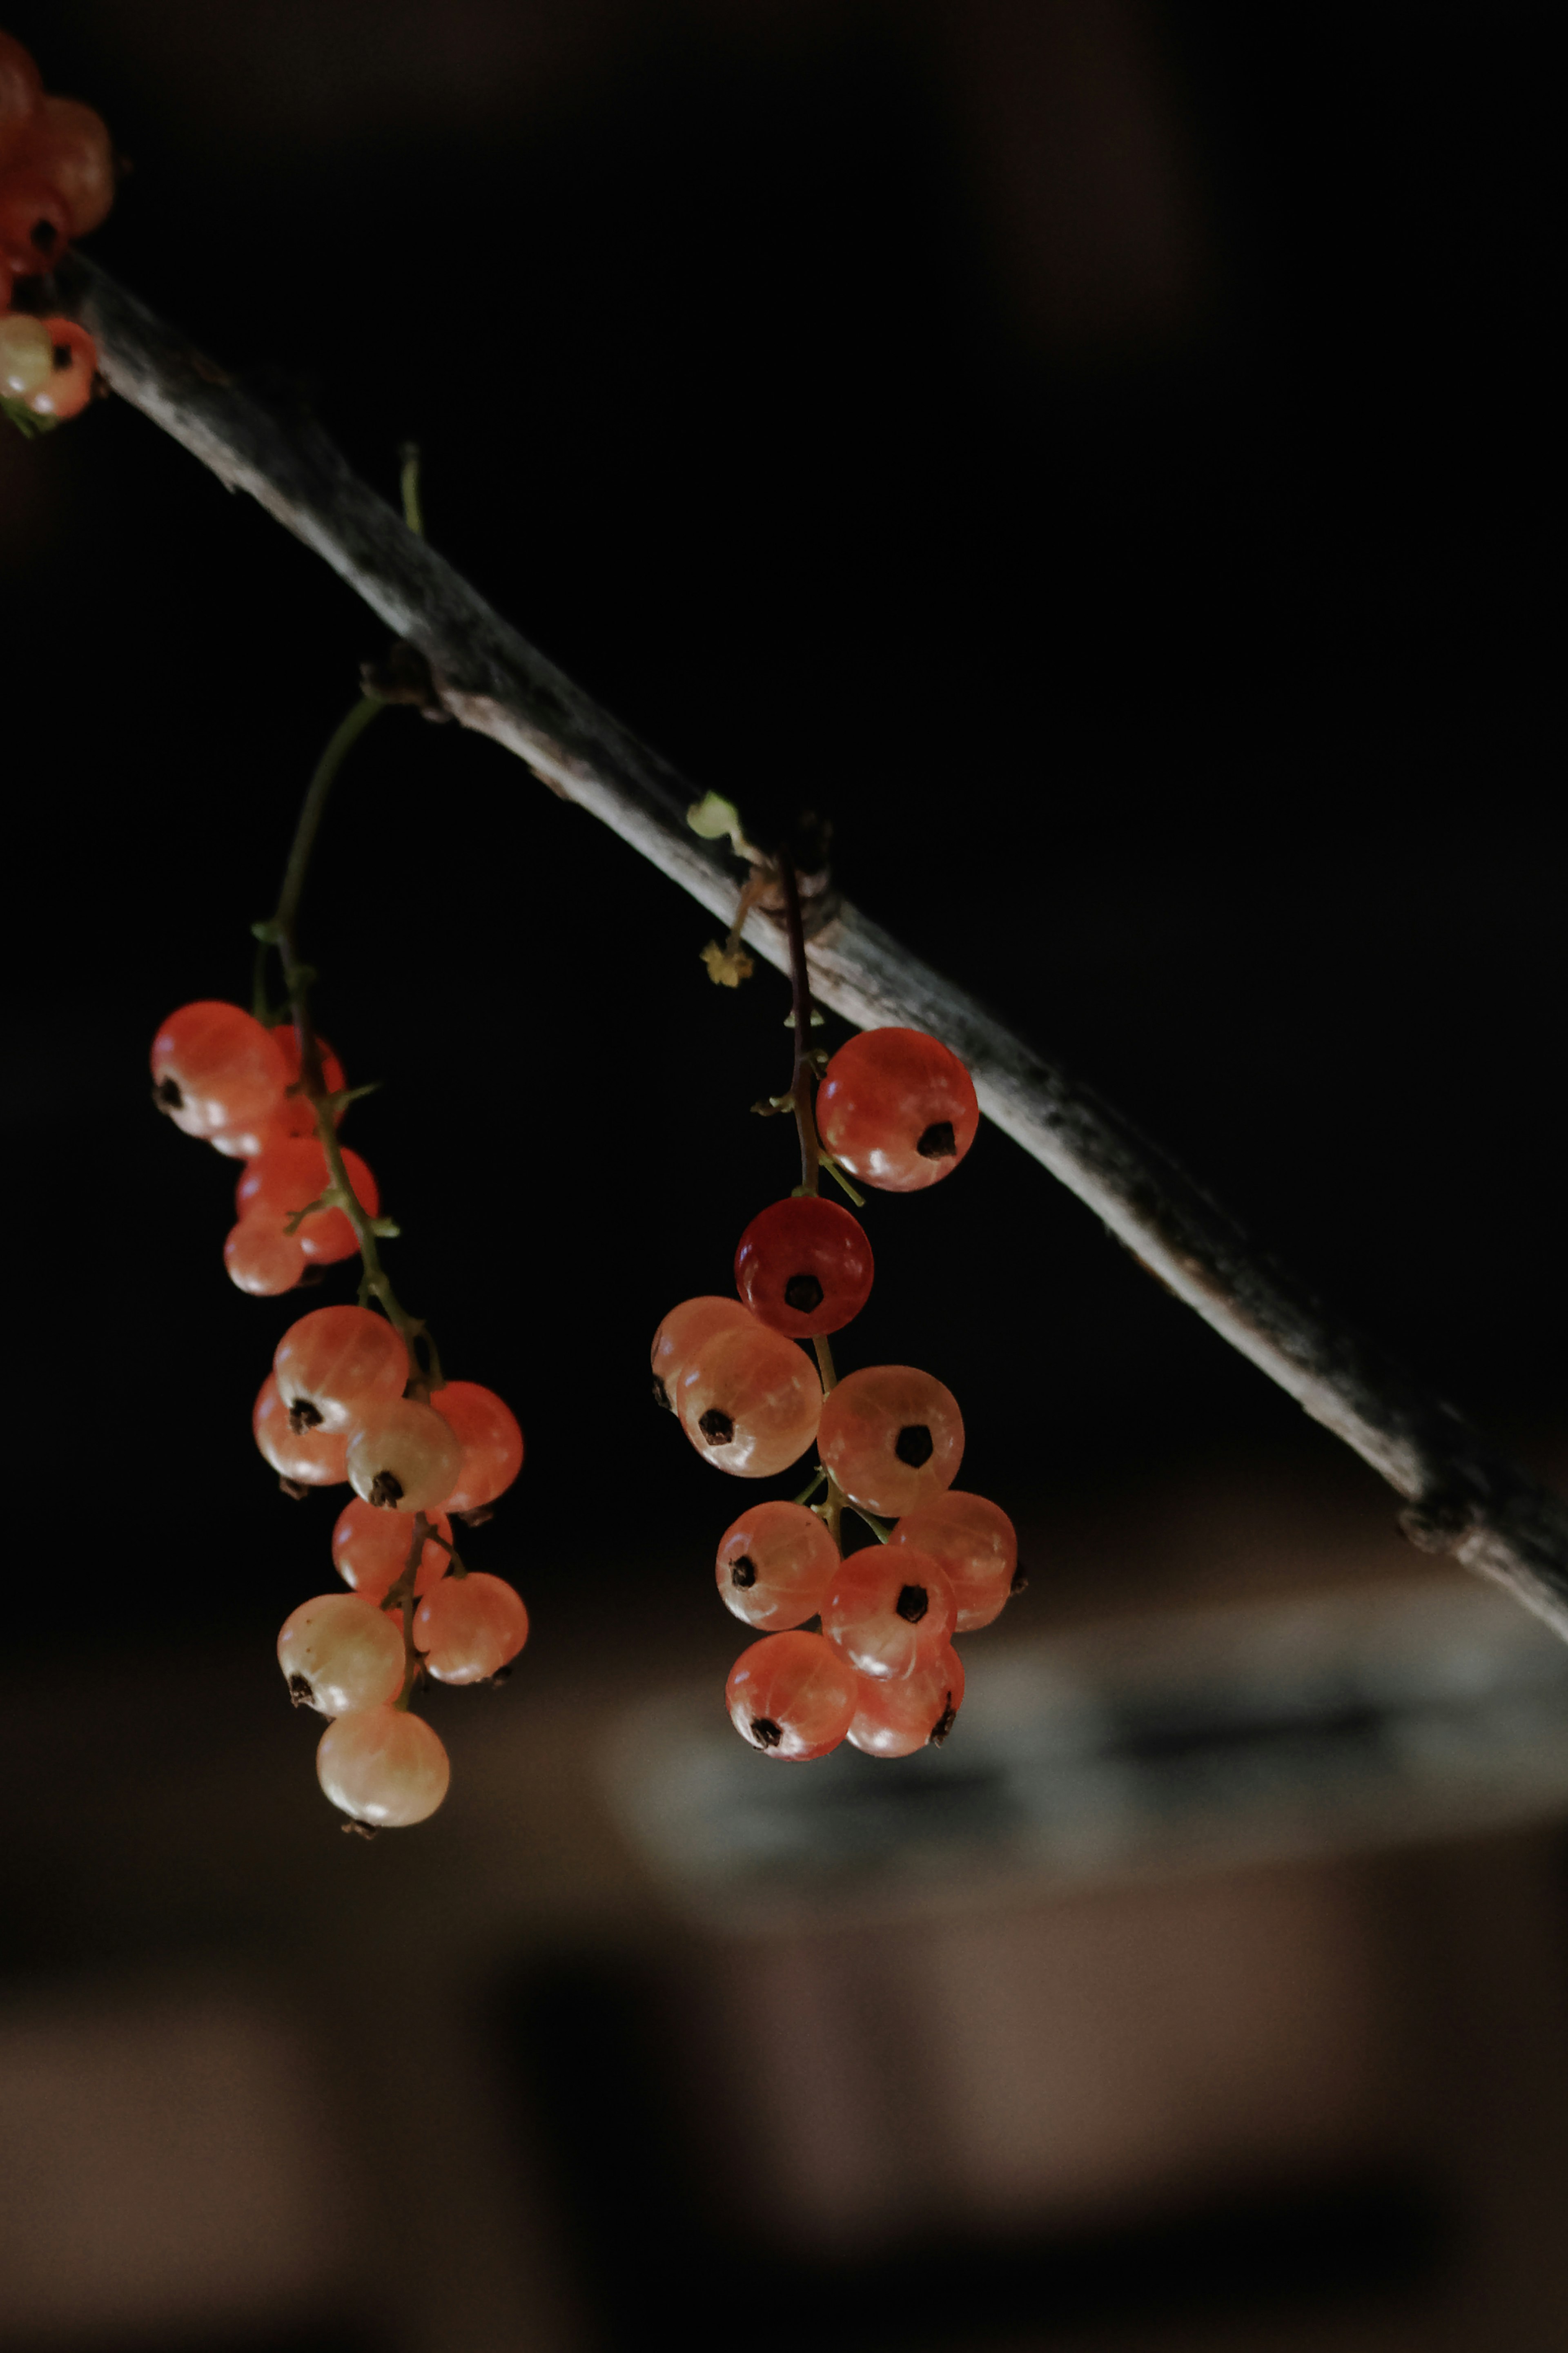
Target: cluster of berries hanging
<point x="350" y="1397"/>
<point x="896" y="1110"/>
<point x="56" y="182"/>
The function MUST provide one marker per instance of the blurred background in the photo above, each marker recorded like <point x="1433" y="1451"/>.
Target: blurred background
<point x="1090" y="451"/>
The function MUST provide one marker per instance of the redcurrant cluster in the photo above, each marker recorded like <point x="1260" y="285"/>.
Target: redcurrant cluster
<point x="56" y="182"/>
<point x="350" y="1398"/>
<point x="896" y="1110"/>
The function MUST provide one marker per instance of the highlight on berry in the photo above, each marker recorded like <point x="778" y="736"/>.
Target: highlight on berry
<point x="56" y="182"/>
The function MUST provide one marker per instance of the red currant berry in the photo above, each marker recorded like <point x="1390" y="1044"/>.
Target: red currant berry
<point x="486" y="1430"/>
<point x="975" y="1543"/>
<point x="383" y="1766"/>
<point x="804" y="1266"/>
<point x="293" y="1172"/>
<point x="749" y="1401"/>
<point x="899" y="1713"/>
<point x="888" y="1609"/>
<point x="66" y="145"/>
<point x="21" y="93"/>
<point x="73" y="357"/>
<point x="262" y="1259"/>
<point x="312" y="1457"/>
<point x="335" y="1364"/>
<point x="792" y="1696"/>
<point x="340" y="1655"/>
<point x="371" y="1549"/>
<point x="775" y="1565"/>
<point x="897" y="1109"/>
<point x="682" y="1333"/>
<point x="470" y="1628"/>
<point x="214" y="1066"/>
<point x="892" y="1438"/>
<point x="35" y="224"/>
<point x="26" y="354"/>
<point x="297" y="1116"/>
<point x="403" y="1457"/>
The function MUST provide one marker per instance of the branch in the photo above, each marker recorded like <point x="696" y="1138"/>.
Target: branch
<point x="1464" y="1496"/>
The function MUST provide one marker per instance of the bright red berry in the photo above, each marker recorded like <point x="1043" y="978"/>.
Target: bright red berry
<point x="897" y="1109"/>
<point x="335" y="1364"/>
<point x="775" y="1565"/>
<point x="292" y="1172"/>
<point x="214" y="1066"/>
<point x="35" y="224"/>
<point x="382" y="1766"/>
<point x="67" y="146"/>
<point x="312" y="1457"/>
<point x="892" y="1437"/>
<point x="21" y="93"/>
<point x="486" y="1430"/>
<point x="792" y="1696"/>
<point x="682" y="1333"/>
<point x="262" y="1259"/>
<point x="371" y="1549"/>
<point x="804" y="1266"/>
<point x="470" y="1628"/>
<point x="899" y="1713"/>
<point x="749" y="1401"/>
<point x="402" y="1457"/>
<point x="976" y="1544"/>
<point x="888" y="1609"/>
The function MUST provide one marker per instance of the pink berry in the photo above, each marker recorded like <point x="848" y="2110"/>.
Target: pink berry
<point x="336" y="1363"/>
<point x="899" y="1713"/>
<point x="383" y="1766"/>
<point x="312" y="1458"/>
<point x="262" y="1259"/>
<point x="888" y="1609"/>
<point x="339" y="1653"/>
<point x="775" y="1565"/>
<point x="291" y="1173"/>
<point x="749" y="1401"/>
<point x="892" y="1437"/>
<point x="371" y="1549"/>
<point x="976" y="1544"/>
<point x="486" y="1430"/>
<point x="214" y="1066"/>
<point x="403" y="1457"/>
<point x="683" y="1331"/>
<point x="897" y="1109"/>
<point x="792" y="1696"/>
<point x="470" y="1628"/>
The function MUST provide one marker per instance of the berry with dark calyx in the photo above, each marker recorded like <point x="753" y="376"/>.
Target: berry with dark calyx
<point x="975" y="1543"/>
<point x="21" y="94"/>
<point x="899" y="1713"/>
<point x="792" y="1696"/>
<point x="262" y="1259"/>
<point x="26" y="354"/>
<point x="66" y="146"/>
<point x="339" y="1653"/>
<point x="289" y="1175"/>
<point x="337" y="1363"/>
<point x="215" y="1067"/>
<point x="73" y="371"/>
<point x="750" y="1400"/>
<point x="773" y="1565"/>
<point x="34" y="225"/>
<point x="308" y="1458"/>
<point x="892" y="1437"/>
<point x="470" y="1628"/>
<point x="486" y="1430"/>
<point x="403" y="1457"/>
<point x="804" y="1267"/>
<point x="888" y="1609"/>
<point x="683" y="1331"/>
<point x="897" y="1109"/>
<point x="371" y="1549"/>
<point x="382" y="1766"/>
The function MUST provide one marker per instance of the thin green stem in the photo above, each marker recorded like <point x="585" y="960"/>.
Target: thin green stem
<point x="804" y="1070"/>
<point x="345" y="737"/>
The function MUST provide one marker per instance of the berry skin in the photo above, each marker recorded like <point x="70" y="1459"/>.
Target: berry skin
<point x="892" y="1438"/>
<point x="775" y="1565"/>
<point x="26" y="354"/>
<point x="35" y="224"/>
<point x="294" y="1171"/>
<point x="889" y="1609"/>
<point x="470" y="1628"/>
<point x="73" y="370"/>
<point x="897" y="1109"/>
<point x="340" y="1655"/>
<point x="749" y="1401"/>
<point x="683" y="1331"/>
<point x="21" y="93"/>
<point x="336" y="1364"/>
<point x="403" y="1457"/>
<point x="792" y="1696"/>
<point x="898" y="1715"/>
<point x="312" y="1457"/>
<point x="804" y="1267"/>
<point x="975" y="1543"/>
<point x="486" y="1430"/>
<point x="371" y="1549"/>
<point x="383" y="1766"/>
<point x="66" y="145"/>
<point x="262" y="1259"/>
<point x="214" y="1066"/>
<point x="295" y="1115"/>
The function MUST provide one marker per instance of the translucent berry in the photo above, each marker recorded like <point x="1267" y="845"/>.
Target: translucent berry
<point x="486" y="1430"/>
<point x="975" y="1543"/>
<point x="470" y="1628"/>
<point x="66" y="145"/>
<point x="35" y="224"/>
<point x="262" y="1259"/>
<point x="337" y="1363"/>
<point x="73" y="370"/>
<point x="749" y="1401"/>
<point x="899" y="1713"/>
<point x="214" y="1066"/>
<point x="403" y="1457"/>
<point x="341" y="1653"/>
<point x="892" y="1438"/>
<point x="26" y="355"/>
<point x="897" y="1109"/>
<point x="682" y="1333"/>
<point x="792" y="1696"/>
<point x="888" y="1609"/>
<point x="293" y="1172"/>
<point x="383" y="1766"/>
<point x="804" y="1267"/>
<point x="775" y="1565"/>
<point x="371" y="1549"/>
<point x="312" y="1457"/>
<point x="20" y="94"/>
